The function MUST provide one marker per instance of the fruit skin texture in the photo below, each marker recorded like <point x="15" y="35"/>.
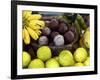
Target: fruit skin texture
<point x="59" y="40"/>
<point x="86" y="40"/>
<point x="46" y="31"/>
<point x="87" y="62"/>
<point x="26" y="36"/>
<point x="26" y="58"/>
<point x="32" y="33"/>
<point x="52" y="63"/>
<point x="36" y="63"/>
<point x="79" y="64"/>
<point x="43" y="40"/>
<point x="44" y="53"/>
<point x="80" y="55"/>
<point x="66" y="58"/>
<point x="56" y="58"/>
<point x="69" y="37"/>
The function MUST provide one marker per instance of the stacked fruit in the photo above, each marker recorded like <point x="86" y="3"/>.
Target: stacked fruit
<point x="55" y="41"/>
<point x="65" y="58"/>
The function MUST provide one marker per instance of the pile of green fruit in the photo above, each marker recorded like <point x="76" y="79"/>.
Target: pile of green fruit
<point x="55" y="41"/>
<point x="65" y="58"/>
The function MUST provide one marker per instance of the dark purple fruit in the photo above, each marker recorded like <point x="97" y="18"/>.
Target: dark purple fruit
<point x="62" y="28"/>
<point x="46" y="31"/>
<point x="53" y="34"/>
<point x="69" y="37"/>
<point x="54" y="24"/>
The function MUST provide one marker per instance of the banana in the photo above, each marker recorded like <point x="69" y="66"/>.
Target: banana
<point x="87" y="39"/>
<point x="34" y="17"/>
<point x="33" y="26"/>
<point x="81" y="42"/>
<point x="38" y="32"/>
<point x="38" y="22"/>
<point x="81" y="21"/>
<point x="26" y="13"/>
<point x="26" y="36"/>
<point x="32" y="33"/>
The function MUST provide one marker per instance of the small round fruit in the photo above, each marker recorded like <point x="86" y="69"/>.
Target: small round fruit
<point x="44" y="53"/>
<point x="26" y="58"/>
<point x="56" y="58"/>
<point x="46" y="31"/>
<point x="66" y="58"/>
<point x="69" y="37"/>
<point x="59" y="40"/>
<point x="52" y="63"/>
<point x="53" y="34"/>
<point x="87" y="62"/>
<point x="62" y="28"/>
<point x="54" y="24"/>
<point x="43" y="40"/>
<point x="79" y="64"/>
<point x="80" y="55"/>
<point x="36" y="63"/>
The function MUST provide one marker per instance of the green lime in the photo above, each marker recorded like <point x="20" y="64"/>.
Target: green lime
<point x="80" y="55"/>
<point x="66" y="58"/>
<point x="52" y="63"/>
<point x="36" y="63"/>
<point x="79" y="64"/>
<point x="44" y="53"/>
<point x="87" y="62"/>
<point x="26" y="58"/>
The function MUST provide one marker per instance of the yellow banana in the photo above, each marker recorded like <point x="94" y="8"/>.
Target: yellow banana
<point x="38" y="22"/>
<point x="33" y="26"/>
<point x="32" y="33"/>
<point x="26" y="36"/>
<point x="38" y="32"/>
<point x="26" y="13"/>
<point x="87" y="38"/>
<point x="34" y="17"/>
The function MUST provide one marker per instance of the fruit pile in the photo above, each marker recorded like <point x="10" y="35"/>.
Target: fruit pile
<point x="55" y="41"/>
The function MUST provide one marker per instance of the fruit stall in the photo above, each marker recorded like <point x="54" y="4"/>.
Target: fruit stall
<point x="53" y="40"/>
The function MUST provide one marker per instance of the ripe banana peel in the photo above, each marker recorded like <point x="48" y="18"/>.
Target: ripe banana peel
<point x="87" y="39"/>
<point x="32" y="33"/>
<point x="26" y="36"/>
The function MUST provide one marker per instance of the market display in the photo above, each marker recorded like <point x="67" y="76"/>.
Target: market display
<point x="55" y="40"/>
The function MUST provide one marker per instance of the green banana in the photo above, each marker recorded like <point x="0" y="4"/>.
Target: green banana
<point x="81" y="22"/>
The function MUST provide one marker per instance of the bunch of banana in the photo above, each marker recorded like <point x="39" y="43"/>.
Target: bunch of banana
<point x="85" y="39"/>
<point x="32" y="25"/>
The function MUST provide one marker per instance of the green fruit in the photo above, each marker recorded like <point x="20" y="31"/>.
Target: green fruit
<point x="36" y="63"/>
<point x="66" y="58"/>
<point x="26" y="58"/>
<point x="44" y="53"/>
<point x="86" y="40"/>
<point x="52" y="63"/>
<point x="87" y="62"/>
<point x="56" y="58"/>
<point x="81" y="22"/>
<point x="79" y="64"/>
<point x="80" y="55"/>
